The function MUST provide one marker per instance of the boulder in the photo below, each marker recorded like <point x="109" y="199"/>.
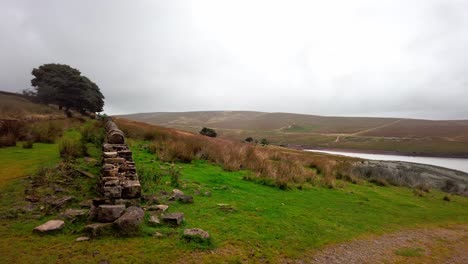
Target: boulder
<point x="131" y="189"/>
<point x="98" y="229"/>
<point x="86" y="203"/>
<point x="174" y="219"/>
<point x="50" y="226"/>
<point x="128" y="202"/>
<point x="108" y="213"/>
<point x="196" y="233"/>
<point x="129" y="223"/>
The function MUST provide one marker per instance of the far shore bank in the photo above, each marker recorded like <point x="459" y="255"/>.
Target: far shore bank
<point x="383" y="152"/>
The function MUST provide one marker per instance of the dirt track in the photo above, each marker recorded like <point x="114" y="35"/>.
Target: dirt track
<point x="435" y="245"/>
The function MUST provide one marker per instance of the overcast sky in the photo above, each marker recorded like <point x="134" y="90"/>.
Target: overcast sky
<point x="355" y="58"/>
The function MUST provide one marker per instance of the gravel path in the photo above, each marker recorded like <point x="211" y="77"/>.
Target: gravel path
<point x="434" y="245"/>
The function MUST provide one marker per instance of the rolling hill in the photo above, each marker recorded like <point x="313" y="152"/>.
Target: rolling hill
<point x="406" y="136"/>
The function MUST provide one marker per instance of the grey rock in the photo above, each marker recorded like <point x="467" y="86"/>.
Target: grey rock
<point x="98" y="229"/>
<point x="112" y="191"/>
<point x="50" y="226"/>
<point x="130" y="221"/>
<point x="109" y="213"/>
<point x="131" y="189"/>
<point x="112" y="154"/>
<point x="74" y="213"/>
<point x="192" y="233"/>
<point x="186" y="199"/>
<point x="177" y="194"/>
<point x="173" y="218"/>
<point x="81" y="239"/>
<point x="154" y="219"/>
<point x="60" y="202"/>
<point x="160" y="208"/>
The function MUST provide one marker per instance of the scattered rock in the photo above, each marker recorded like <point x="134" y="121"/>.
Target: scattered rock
<point x="129" y="223"/>
<point x="150" y="199"/>
<point x="81" y="239"/>
<point x="98" y="229"/>
<point x="207" y="194"/>
<point x="154" y="219"/>
<point x="226" y="208"/>
<point x="109" y="213"/>
<point x="32" y="199"/>
<point x="50" y="226"/>
<point x="74" y="213"/>
<point x="196" y="233"/>
<point x="60" y="202"/>
<point x="160" y="208"/>
<point x="86" y="204"/>
<point x="197" y="192"/>
<point x="177" y="194"/>
<point x="174" y="219"/>
<point x="186" y="199"/>
<point x="158" y="235"/>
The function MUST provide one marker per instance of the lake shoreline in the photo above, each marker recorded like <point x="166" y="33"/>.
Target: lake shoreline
<point x="383" y="152"/>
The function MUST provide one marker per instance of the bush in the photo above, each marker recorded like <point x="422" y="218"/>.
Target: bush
<point x="208" y="132"/>
<point x="7" y="140"/>
<point x="28" y="144"/>
<point x="93" y="132"/>
<point x="71" y="148"/>
<point x="264" y="142"/>
<point x="46" y="132"/>
<point x="249" y="139"/>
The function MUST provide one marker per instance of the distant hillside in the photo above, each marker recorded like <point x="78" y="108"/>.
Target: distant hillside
<point x="411" y="136"/>
<point x="298" y="123"/>
<point x="17" y="106"/>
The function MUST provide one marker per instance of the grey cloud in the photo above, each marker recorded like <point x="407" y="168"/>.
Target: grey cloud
<point x="366" y="58"/>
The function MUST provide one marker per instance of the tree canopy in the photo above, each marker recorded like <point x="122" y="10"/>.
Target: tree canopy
<point x="64" y="86"/>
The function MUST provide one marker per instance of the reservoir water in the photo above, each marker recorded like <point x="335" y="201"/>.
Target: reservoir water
<point x="451" y="163"/>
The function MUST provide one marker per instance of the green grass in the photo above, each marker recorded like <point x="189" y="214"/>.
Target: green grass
<point x="410" y="252"/>
<point x="262" y="224"/>
<point x="16" y="162"/>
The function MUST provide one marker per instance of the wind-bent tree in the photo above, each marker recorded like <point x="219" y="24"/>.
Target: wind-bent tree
<point x="64" y="86"/>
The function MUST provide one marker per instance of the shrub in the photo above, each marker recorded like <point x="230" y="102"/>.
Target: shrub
<point x="264" y="142"/>
<point x="249" y="139"/>
<point x="93" y="132"/>
<point x="46" y="132"/>
<point x="208" y="132"/>
<point x="7" y="140"/>
<point x="28" y="144"/>
<point x="71" y="148"/>
<point x="175" y="174"/>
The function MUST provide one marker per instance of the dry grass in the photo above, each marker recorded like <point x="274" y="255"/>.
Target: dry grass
<point x="269" y="165"/>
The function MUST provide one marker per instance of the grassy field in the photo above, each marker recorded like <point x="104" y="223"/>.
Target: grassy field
<point x="17" y="107"/>
<point x="255" y="223"/>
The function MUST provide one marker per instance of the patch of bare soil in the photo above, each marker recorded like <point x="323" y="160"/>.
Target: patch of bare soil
<point x="428" y="245"/>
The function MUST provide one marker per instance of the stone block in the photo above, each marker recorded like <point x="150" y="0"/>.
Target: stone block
<point x="174" y="219"/>
<point x="131" y="189"/>
<point x="109" y="213"/>
<point x="50" y="226"/>
<point x="113" y="192"/>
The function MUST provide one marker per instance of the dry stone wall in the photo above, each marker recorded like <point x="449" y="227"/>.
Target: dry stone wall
<point x="119" y="184"/>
